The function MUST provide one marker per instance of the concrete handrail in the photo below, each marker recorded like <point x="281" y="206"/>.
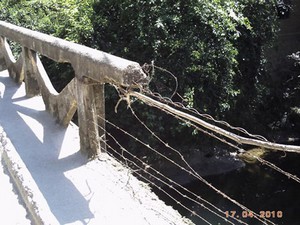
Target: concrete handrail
<point x="93" y="68"/>
<point x="92" y="63"/>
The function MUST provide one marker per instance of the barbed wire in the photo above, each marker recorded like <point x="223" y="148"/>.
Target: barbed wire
<point x="240" y="150"/>
<point x="148" y="167"/>
<point x="206" y="132"/>
<point x="273" y="166"/>
<point x="192" y="173"/>
<point x="147" y="67"/>
<point x="203" y="115"/>
<point x="130" y="170"/>
<point x="190" y="123"/>
<point x="168" y="100"/>
<point x="148" y="180"/>
<point x="184" y="192"/>
<point x="135" y="172"/>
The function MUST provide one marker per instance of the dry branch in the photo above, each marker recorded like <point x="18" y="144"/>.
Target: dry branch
<point x="237" y="138"/>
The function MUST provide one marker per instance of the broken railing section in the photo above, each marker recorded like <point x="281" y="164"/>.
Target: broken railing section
<point x="85" y="93"/>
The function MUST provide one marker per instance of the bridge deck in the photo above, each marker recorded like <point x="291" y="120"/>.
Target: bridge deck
<point x="74" y="191"/>
<point x="14" y="211"/>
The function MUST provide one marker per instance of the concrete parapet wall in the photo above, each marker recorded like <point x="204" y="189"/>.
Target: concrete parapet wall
<point x="34" y="200"/>
<point x="85" y="93"/>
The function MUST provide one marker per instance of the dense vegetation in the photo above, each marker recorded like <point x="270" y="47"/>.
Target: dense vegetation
<point x="67" y="19"/>
<point x="291" y="88"/>
<point x="216" y="48"/>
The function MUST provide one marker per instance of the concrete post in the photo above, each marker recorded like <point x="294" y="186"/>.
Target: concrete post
<point x="2" y="59"/>
<point x="15" y="68"/>
<point x="30" y="78"/>
<point x="91" y="103"/>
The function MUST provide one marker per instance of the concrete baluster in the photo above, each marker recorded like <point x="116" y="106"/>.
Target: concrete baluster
<point x="30" y="79"/>
<point x="91" y="103"/>
<point x="2" y="59"/>
<point x="14" y="67"/>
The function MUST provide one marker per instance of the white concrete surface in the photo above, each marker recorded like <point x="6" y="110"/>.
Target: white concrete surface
<point x="62" y="186"/>
<point x="12" y="212"/>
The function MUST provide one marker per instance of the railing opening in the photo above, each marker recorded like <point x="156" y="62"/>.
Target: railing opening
<point x="16" y="49"/>
<point x="60" y="74"/>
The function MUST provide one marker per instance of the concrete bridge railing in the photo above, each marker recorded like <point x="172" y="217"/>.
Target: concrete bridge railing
<point x="85" y="93"/>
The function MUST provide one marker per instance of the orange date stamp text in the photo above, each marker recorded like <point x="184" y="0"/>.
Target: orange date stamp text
<point x="267" y="214"/>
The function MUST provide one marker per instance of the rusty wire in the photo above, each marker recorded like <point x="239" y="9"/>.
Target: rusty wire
<point x="190" y="172"/>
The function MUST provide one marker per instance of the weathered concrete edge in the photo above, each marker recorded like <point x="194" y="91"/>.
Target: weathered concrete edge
<point x="34" y="200"/>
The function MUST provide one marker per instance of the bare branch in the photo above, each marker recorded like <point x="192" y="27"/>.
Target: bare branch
<point x="237" y="138"/>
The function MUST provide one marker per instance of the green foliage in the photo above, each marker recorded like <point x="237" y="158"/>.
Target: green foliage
<point x="290" y="92"/>
<point x="252" y="77"/>
<point x="192" y="39"/>
<point x="214" y="47"/>
<point x="67" y="19"/>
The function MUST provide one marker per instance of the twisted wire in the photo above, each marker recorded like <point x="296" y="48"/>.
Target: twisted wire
<point x="195" y="175"/>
